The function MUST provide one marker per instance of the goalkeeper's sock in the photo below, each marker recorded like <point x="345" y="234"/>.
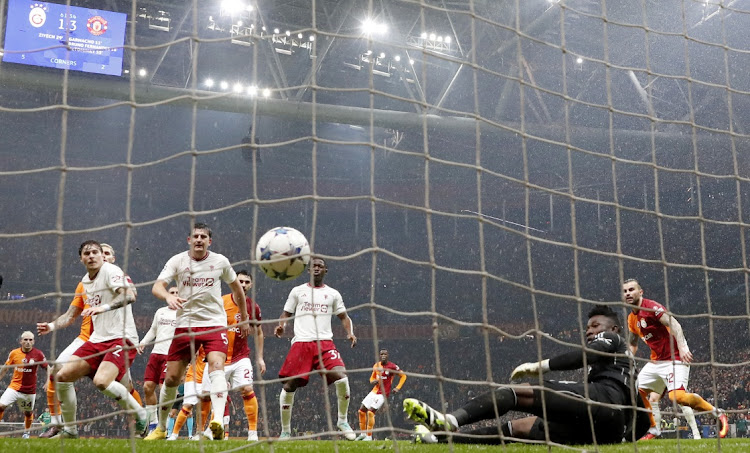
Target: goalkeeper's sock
<point x="483" y="407"/>
<point x="190" y="426"/>
<point x="342" y="395"/>
<point x="286" y="401"/>
<point x="166" y="394"/>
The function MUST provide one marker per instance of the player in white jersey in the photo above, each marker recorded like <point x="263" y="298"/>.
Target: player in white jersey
<point x="200" y="316"/>
<point x="110" y="350"/>
<point x="160" y="333"/>
<point x="312" y="308"/>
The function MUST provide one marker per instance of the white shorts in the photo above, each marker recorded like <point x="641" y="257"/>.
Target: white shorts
<point x="25" y="401"/>
<point x="658" y="376"/>
<point x="68" y="352"/>
<point x="190" y="394"/>
<point x="239" y="374"/>
<point x="226" y="420"/>
<point x="373" y="401"/>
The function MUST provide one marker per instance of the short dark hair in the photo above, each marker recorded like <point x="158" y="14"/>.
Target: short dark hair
<point x="87" y="243"/>
<point x="245" y="272"/>
<point x="315" y="257"/>
<point x="632" y="280"/>
<point x="202" y="226"/>
<point x="603" y="310"/>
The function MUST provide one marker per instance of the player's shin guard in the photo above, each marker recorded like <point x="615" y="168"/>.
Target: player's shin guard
<point x="362" y="420"/>
<point x="342" y="395"/>
<point x="66" y="393"/>
<point x="218" y="394"/>
<point x="181" y="419"/>
<point x="370" y="422"/>
<point x="286" y="401"/>
<point x="250" y="404"/>
<point x="166" y="396"/>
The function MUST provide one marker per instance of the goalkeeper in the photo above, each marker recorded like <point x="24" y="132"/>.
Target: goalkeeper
<point x="565" y="405"/>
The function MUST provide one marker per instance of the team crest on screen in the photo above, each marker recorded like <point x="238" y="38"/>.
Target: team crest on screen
<point x="97" y="25"/>
<point x="38" y="15"/>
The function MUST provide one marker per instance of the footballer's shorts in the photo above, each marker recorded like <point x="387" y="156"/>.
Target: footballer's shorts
<point x="108" y="351"/>
<point x="68" y="352"/>
<point x="156" y="368"/>
<point x="239" y="374"/>
<point x="664" y="375"/>
<point x="305" y="357"/>
<point x="373" y="401"/>
<point x="208" y="337"/>
<point x="25" y="401"/>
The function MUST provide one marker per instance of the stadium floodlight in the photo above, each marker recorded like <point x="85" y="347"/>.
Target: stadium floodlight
<point x="266" y="92"/>
<point x="223" y="85"/>
<point x="239" y="23"/>
<point x="370" y="27"/>
<point x="448" y="39"/>
<point x="238" y="88"/>
<point x="232" y="7"/>
<point x="397" y="58"/>
<point x="276" y="31"/>
<point x="411" y="61"/>
<point x="382" y="54"/>
<point x="423" y="35"/>
<point x="312" y="38"/>
<point x="252" y="90"/>
<point x="433" y="36"/>
<point x="299" y="35"/>
<point x="288" y="33"/>
<point x="142" y="72"/>
<point x="579" y="60"/>
<point x="209" y="82"/>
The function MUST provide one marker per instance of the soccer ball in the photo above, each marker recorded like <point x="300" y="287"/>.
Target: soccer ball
<point x="283" y="253"/>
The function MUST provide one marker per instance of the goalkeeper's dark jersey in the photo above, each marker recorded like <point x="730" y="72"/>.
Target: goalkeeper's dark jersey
<point x="600" y="359"/>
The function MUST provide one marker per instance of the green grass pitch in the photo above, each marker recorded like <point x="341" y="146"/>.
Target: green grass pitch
<point x="16" y="445"/>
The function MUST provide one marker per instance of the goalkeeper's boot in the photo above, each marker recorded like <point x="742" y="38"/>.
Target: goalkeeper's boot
<point x="217" y="429"/>
<point x="423" y="414"/>
<point x="723" y="424"/>
<point x="346" y="430"/>
<point x="422" y="435"/>
<point x="157" y="434"/>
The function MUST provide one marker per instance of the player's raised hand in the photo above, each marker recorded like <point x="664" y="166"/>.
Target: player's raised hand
<point x="352" y="338"/>
<point x="43" y="328"/>
<point x="524" y="370"/>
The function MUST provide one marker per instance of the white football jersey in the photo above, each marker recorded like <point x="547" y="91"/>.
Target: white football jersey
<point x="313" y="308"/>
<point x="112" y="324"/>
<point x="199" y="282"/>
<point x="162" y="330"/>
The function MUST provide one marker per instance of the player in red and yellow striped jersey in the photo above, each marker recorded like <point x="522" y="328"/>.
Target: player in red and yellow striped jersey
<point x="22" y="389"/>
<point x="238" y="366"/>
<point x="382" y="376"/>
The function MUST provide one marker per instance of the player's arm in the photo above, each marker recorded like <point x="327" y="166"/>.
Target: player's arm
<point x="64" y="320"/>
<point x="374" y="375"/>
<point x="676" y="330"/>
<point x="239" y="297"/>
<point x="401" y="380"/>
<point x="346" y="321"/>
<point x="279" y="330"/>
<point x="633" y="334"/>
<point x="259" y="342"/>
<point x="604" y="342"/>
<point x="160" y="290"/>
<point x="150" y="335"/>
<point x="125" y="296"/>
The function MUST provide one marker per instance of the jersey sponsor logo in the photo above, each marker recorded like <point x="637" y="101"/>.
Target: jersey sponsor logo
<point x="648" y="336"/>
<point x="315" y="308"/>
<point x="198" y="281"/>
<point x="600" y="338"/>
<point x="168" y="322"/>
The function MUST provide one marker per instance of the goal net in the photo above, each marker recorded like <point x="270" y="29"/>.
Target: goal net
<point x="478" y="175"/>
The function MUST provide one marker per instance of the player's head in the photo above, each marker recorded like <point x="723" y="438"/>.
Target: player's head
<point x="27" y="341"/>
<point x="246" y="281"/>
<point x="318" y="266"/>
<point x="632" y="293"/>
<point x="91" y="255"/>
<point x="383" y="356"/>
<point x="199" y="240"/>
<point x="109" y="253"/>
<point x="602" y="319"/>
<point x="173" y="291"/>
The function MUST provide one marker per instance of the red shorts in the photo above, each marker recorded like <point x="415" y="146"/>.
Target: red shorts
<point x="304" y="357"/>
<point x="109" y="351"/>
<point x="155" y="368"/>
<point x="180" y="349"/>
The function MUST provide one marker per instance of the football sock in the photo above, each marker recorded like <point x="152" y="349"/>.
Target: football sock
<point x="166" y="396"/>
<point x="483" y="407"/>
<point x="125" y="400"/>
<point x="370" y="422"/>
<point x="250" y="403"/>
<point x="66" y="393"/>
<point x="152" y="417"/>
<point x="690" y="399"/>
<point x="286" y="401"/>
<point x="2" y="412"/>
<point x="27" y="419"/>
<point x="690" y="417"/>
<point x="190" y="426"/>
<point x="647" y="404"/>
<point x="656" y="410"/>
<point x="342" y="394"/>
<point x="218" y="393"/>
<point x="362" y="420"/>
<point x="205" y="409"/>
<point x="170" y="425"/>
<point x="52" y="403"/>
<point x="134" y="393"/>
<point x="180" y="421"/>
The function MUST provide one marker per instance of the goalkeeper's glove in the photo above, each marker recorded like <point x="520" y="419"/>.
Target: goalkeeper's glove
<point x="530" y="369"/>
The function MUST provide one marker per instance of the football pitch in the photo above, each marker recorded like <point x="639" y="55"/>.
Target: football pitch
<point x="121" y="445"/>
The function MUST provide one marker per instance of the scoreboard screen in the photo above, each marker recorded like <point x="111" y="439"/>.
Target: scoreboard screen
<point x="60" y="36"/>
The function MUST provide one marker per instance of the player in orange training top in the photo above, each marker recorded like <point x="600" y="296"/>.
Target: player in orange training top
<point x="382" y="376"/>
<point x="22" y="389"/>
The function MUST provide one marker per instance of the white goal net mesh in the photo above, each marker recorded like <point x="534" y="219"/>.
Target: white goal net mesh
<point x="478" y="175"/>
